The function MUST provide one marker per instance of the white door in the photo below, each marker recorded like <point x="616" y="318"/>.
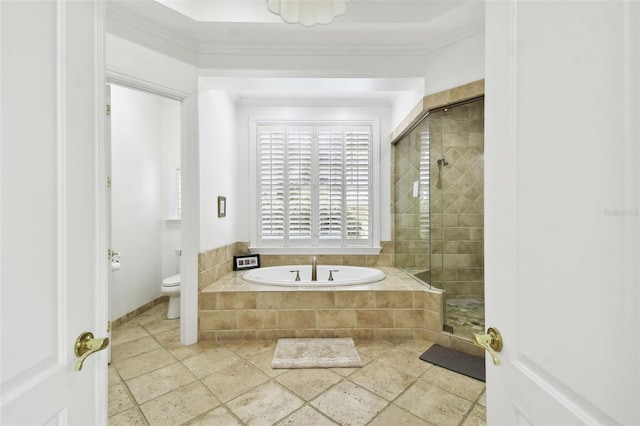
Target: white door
<point x="53" y="264"/>
<point x="562" y="212"/>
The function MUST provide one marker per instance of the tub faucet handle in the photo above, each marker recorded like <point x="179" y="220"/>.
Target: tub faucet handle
<point x="297" y="271"/>
<point x="331" y="271"/>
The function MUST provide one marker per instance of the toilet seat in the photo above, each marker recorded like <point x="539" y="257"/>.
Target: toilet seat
<point x="172" y="281"/>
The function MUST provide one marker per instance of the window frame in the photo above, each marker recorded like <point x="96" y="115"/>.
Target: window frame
<point x="370" y="247"/>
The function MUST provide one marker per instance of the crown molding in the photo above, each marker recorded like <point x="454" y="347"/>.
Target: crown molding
<point x="211" y="48"/>
<point x="123" y="23"/>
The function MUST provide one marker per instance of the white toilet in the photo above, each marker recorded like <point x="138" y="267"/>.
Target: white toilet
<point x="171" y="287"/>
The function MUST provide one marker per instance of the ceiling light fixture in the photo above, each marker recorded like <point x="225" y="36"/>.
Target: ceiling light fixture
<point x="307" y="12"/>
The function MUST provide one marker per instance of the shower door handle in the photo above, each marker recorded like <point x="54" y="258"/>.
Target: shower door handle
<point x="492" y="342"/>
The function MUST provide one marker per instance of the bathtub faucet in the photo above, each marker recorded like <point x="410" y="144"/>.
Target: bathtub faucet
<point x="314" y="269"/>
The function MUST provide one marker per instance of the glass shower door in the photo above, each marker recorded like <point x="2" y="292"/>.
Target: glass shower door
<point x="412" y="203"/>
<point x="458" y="210"/>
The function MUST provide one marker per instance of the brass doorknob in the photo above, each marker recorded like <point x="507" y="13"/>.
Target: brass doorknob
<point x="87" y="345"/>
<point x="492" y="342"/>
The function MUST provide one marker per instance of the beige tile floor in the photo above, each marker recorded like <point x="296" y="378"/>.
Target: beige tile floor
<point x="153" y="380"/>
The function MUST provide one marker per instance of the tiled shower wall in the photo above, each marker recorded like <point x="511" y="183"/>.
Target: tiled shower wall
<point x="457" y="201"/>
<point x="439" y="233"/>
<point x="411" y="213"/>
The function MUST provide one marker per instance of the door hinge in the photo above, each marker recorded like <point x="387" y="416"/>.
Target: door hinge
<point x="108" y="181"/>
<point x="108" y="110"/>
<point x="108" y="326"/>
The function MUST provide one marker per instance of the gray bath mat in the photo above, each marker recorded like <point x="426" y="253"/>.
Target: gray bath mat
<point x="316" y="353"/>
<point x="469" y="365"/>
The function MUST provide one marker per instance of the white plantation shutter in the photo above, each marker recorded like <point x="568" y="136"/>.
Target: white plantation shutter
<point x="299" y="182"/>
<point x="314" y="184"/>
<point x="271" y="182"/>
<point x="330" y="184"/>
<point x="357" y="183"/>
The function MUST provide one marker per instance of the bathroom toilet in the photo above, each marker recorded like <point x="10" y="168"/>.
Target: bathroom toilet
<point x="171" y="288"/>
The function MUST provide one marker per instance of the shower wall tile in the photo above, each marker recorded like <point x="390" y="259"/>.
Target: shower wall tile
<point x="470" y="219"/>
<point x="455" y="260"/>
<point x="422" y="260"/>
<point x="471" y="247"/>
<point x="476" y="260"/>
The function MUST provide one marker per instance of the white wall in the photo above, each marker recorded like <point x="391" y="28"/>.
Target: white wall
<point x="403" y="105"/>
<point x="454" y="65"/>
<point x="144" y="138"/>
<point x="133" y="64"/>
<point x="327" y="113"/>
<point x="170" y="116"/>
<point x="219" y="174"/>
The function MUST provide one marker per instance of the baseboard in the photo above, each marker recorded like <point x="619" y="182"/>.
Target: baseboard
<point x="138" y="311"/>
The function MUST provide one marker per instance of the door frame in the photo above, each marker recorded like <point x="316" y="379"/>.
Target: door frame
<point x="190" y="224"/>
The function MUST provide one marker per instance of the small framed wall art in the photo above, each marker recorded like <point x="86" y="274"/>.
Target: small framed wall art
<point x="222" y="206"/>
<point x="247" y="261"/>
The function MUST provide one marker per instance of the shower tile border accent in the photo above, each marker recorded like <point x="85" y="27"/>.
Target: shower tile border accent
<point x="457" y="94"/>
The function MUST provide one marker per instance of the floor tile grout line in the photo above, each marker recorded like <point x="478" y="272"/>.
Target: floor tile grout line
<point x="247" y="352"/>
<point x="131" y="397"/>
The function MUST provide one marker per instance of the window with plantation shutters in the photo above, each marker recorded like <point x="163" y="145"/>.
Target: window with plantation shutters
<point x="357" y="183"/>
<point x="298" y="183"/>
<point x="271" y="182"/>
<point x="314" y="185"/>
<point x="330" y="184"/>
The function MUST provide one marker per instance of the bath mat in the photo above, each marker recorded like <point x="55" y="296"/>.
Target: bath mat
<point x="316" y="353"/>
<point x="460" y="362"/>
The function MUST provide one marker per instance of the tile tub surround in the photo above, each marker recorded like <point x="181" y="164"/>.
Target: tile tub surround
<point x="216" y="263"/>
<point x="397" y="308"/>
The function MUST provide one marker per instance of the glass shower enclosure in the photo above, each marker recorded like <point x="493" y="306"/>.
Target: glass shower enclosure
<point x="438" y="210"/>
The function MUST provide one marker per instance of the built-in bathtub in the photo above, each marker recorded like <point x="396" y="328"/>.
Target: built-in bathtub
<point x="397" y="307"/>
<point x="300" y="275"/>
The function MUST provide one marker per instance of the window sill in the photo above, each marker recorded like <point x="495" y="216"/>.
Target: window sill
<point x="326" y="250"/>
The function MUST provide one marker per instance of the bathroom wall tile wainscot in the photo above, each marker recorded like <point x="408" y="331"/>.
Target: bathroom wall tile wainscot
<point x="216" y="263"/>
